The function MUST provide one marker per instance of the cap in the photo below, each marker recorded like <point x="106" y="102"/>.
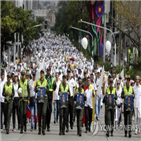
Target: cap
<point x="9" y="75"/>
<point x="16" y="74"/>
<point x="34" y="72"/>
<point x="128" y="77"/>
<point x="48" y="69"/>
<point x="42" y="71"/>
<point x="64" y="76"/>
<point x="98" y="71"/>
<point x="111" y="79"/>
<point x="80" y="81"/>
<point x="23" y="72"/>
<point x="68" y="70"/>
<point x="85" y="71"/>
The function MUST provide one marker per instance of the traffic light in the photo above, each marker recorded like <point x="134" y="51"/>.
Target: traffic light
<point x="45" y="24"/>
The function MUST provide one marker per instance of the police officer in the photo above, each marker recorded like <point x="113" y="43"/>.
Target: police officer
<point x="24" y="100"/>
<point x="63" y="106"/>
<point x="51" y="87"/>
<point x="79" y="106"/>
<point x="127" y="91"/>
<point x="8" y="93"/>
<point x="41" y="102"/>
<point x="110" y="107"/>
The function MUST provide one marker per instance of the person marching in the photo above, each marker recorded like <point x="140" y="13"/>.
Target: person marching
<point x="71" y="84"/>
<point x="110" y="107"/>
<point x="79" y="107"/>
<point x="24" y="100"/>
<point x="16" y="102"/>
<point x="51" y="87"/>
<point x="63" y="106"/>
<point x="41" y="102"/>
<point x="33" y="101"/>
<point x="8" y="93"/>
<point x="127" y="91"/>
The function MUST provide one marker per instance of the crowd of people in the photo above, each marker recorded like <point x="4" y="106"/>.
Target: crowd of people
<point x="58" y="74"/>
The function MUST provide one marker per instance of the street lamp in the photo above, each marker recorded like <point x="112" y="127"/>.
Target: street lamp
<point x="108" y="43"/>
<point x="84" y="40"/>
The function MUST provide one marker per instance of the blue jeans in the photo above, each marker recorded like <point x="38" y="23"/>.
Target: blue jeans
<point x="33" y="113"/>
<point x="56" y="110"/>
<point x="97" y="104"/>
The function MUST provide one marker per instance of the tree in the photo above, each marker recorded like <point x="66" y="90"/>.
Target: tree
<point x="17" y="20"/>
<point x="130" y="13"/>
<point x="69" y="13"/>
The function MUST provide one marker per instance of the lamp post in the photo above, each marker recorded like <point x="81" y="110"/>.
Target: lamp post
<point x="85" y="32"/>
<point x="105" y="29"/>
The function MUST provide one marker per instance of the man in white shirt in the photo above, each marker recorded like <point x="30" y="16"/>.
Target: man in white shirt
<point x="71" y="83"/>
<point x="137" y="105"/>
<point x="2" y="81"/>
<point x="56" y="98"/>
<point x="33" y="102"/>
<point x="89" y="105"/>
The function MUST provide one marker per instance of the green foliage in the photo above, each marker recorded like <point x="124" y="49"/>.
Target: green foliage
<point x="14" y="19"/>
<point x="107" y="65"/>
<point x="69" y="13"/>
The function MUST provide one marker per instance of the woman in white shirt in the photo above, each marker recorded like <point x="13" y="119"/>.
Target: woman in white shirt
<point x="16" y="103"/>
<point x="118" y="104"/>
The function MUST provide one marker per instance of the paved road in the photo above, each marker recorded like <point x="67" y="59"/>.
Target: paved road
<point x="53" y="135"/>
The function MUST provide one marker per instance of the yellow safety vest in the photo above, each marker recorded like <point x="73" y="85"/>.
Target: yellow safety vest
<point x="82" y="91"/>
<point x="62" y="88"/>
<point x="126" y="92"/>
<point x="113" y="91"/>
<point x="44" y="84"/>
<point x="23" y="85"/>
<point x="8" y="89"/>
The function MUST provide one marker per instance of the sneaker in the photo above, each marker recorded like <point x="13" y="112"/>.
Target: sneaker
<point x="136" y="131"/>
<point x="139" y="130"/>
<point x="14" y="129"/>
<point x="31" y="130"/>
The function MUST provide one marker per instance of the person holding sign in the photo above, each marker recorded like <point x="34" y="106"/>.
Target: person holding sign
<point x="41" y="89"/>
<point x="127" y="105"/>
<point x="8" y="93"/>
<point x="109" y="101"/>
<point x="24" y="100"/>
<point x="79" y="99"/>
<point x="63" y="105"/>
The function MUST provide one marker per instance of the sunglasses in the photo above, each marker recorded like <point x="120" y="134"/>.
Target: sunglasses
<point x="118" y="83"/>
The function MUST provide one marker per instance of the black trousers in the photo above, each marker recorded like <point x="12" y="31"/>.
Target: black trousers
<point x="14" y="110"/>
<point x="88" y="117"/>
<point x="48" y="114"/>
<point x="2" y="114"/>
<point x="70" y="112"/>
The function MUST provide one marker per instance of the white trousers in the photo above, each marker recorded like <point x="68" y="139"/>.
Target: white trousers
<point x="137" y="117"/>
<point x="117" y="113"/>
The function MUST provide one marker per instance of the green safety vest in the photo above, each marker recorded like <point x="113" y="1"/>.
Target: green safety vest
<point x="23" y="85"/>
<point x="62" y="88"/>
<point x="44" y="84"/>
<point x="8" y="89"/>
<point x="50" y="83"/>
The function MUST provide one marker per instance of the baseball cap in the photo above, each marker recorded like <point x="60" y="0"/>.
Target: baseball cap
<point x="23" y="72"/>
<point x="34" y="72"/>
<point x="42" y="71"/>
<point x="9" y="75"/>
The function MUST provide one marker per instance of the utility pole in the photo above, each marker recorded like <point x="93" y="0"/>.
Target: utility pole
<point x="104" y="32"/>
<point x="120" y="34"/>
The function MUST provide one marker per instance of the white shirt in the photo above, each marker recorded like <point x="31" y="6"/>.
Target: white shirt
<point x="137" y="98"/>
<point x="1" y="90"/>
<point x="56" y="96"/>
<point x="16" y="90"/>
<point x="89" y="96"/>
<point x="119" y="99"/>
<point x="31" y="87"/>
<point x="71" y="83"/>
